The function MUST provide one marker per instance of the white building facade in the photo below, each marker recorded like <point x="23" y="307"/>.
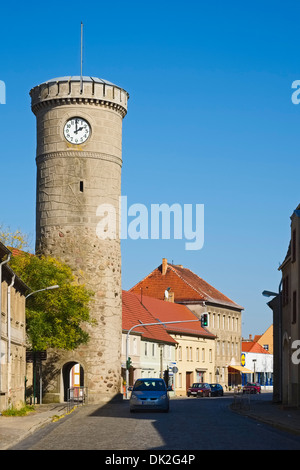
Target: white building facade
<point x="261" y="366"/>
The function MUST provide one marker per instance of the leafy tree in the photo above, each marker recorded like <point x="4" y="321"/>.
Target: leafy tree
<point x="54" y="318"/>
<point x="14" y="239"/>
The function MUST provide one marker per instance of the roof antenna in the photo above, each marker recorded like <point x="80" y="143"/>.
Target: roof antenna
<point x="81" y="38"/>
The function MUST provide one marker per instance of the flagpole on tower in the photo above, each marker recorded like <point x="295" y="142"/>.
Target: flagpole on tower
<point x="81" y="42"/>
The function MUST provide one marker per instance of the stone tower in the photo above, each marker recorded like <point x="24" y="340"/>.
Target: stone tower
<point x="79" y="160"/>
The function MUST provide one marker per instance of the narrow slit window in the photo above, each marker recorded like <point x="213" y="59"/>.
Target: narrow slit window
<point x="81" y="186"/>
<point x="294" y="246"/>
<point x="294" y="311"/>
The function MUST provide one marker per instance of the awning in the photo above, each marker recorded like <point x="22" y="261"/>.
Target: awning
<point x="241" y="369"/>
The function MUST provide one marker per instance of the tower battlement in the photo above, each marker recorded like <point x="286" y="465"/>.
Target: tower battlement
<point x="74" y="89"/>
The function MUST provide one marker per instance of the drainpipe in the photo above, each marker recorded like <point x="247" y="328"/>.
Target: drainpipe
<point x="1" y="265"/>
<point x="9" y="316"/>
<point x="9" y="335"/>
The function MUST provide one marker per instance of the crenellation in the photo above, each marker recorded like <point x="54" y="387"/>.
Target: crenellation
<point x="93" y="92"/>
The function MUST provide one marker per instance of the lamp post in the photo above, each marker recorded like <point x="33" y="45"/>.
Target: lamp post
<point x="40" y="290"/>
<point x="254" y="362"/>
<point x="34" y="352"/>
<point x="146" y="324"/>
<point x="267" y="293"/>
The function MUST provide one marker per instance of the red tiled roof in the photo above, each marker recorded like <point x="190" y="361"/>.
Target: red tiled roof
<point x="133" y="313"/>
<point x="168" y="311"/>
<point x="187" y="287"/>
<point x="256" y="338"/>
<point x="252" y="346"/>
<point x="18" y="252"/>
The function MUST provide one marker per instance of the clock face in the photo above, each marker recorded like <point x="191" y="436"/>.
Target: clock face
<point x="77" y="130"/>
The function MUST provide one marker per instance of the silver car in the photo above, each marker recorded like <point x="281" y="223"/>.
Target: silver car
<point x="150" y="394"/>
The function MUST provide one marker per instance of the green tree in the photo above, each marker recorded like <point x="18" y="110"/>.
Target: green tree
<point x="14" y="239"/>
<point x="54" y="318"/>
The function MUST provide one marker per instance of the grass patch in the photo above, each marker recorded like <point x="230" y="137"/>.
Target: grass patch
<point x="18" y="412"/>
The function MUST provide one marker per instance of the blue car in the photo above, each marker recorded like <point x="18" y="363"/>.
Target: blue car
<point x="149" y="394"/>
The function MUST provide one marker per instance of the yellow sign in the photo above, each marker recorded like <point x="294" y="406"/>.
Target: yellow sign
<point x="243" y="360"/>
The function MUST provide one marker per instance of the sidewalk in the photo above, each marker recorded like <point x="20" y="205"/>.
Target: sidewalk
<point x="266" y="411"/>
<point x="15" y="428"/>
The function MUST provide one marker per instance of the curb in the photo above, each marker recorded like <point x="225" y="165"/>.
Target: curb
<point x="270" y="422"/>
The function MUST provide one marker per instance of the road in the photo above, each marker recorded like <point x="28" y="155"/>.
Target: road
<point x="191" y="424"/>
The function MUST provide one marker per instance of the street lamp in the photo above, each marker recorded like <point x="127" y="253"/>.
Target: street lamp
<point x="40" y="290"/>
<point x="34" y="353"/>
<point x="268" y="293"/>
<point x="146" y="324"/>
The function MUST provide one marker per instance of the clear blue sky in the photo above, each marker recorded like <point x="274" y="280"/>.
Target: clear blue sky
<point x="210" y="121"/>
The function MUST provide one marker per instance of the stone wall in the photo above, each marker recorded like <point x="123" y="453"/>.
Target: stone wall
<point x="72" y="182"/>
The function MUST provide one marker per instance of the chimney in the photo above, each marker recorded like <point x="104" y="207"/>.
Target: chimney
<point x="250" y="337"/>
<point x="164" y="266"/>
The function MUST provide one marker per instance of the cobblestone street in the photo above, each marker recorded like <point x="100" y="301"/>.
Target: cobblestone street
<point x="191" y="424"/>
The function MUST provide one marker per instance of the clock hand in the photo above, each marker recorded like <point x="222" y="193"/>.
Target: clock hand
<point x="80" y="129"/>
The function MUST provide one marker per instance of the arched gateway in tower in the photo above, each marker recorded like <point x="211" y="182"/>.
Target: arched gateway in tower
<point x="79" y="160"/>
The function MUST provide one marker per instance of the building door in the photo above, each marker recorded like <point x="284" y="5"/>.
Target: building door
<point x="188" y="380"/>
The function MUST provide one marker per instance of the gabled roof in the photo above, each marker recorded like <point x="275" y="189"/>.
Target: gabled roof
<point x="186" y="286"/>
<point x="133" y="313"/>
<point x="169" y="311"/>
<point x="256" y="338"/>
<point x="253" y="347"/>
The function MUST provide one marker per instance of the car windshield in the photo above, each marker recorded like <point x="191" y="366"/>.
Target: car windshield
<point x="213" y="385"/>
<point x="250" y="385"/>
<point x="149" y="385"/>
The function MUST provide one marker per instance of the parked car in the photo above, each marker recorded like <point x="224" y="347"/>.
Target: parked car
<point x="252" y="388"/>
<point x="150" y="394"/>
<point x="199" y="390"/>
<point x="216" y="390"/>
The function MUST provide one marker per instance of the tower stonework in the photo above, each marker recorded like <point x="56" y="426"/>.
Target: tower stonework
<point x="79" y="160"/>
